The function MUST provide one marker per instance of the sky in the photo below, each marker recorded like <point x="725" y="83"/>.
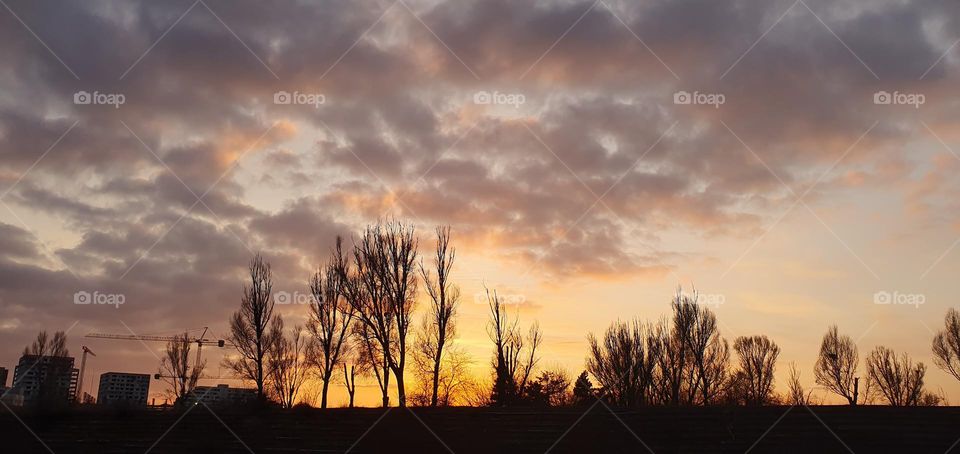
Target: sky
<point x="793" y="160"/>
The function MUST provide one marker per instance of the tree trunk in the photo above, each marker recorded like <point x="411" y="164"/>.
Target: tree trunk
<point x="351" y="382"/>
<point x="401" y="395"/>
<point x="386" y="386"/>
<point x="856" y="390"/>
<point x="323" y="393"/>
<point x="260" y="395"/>
<point x="436" y="380"/>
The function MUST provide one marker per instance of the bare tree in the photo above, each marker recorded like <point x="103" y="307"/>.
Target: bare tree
<point x="507" y="344"/>
<point x="898" y="379"/>
<point x="177" y="370"/>
<point x="946" y="344"/>
<point x="533" y="340"/>
<point x="49" y="389"/>
<point x="836" y="366"/>
<point x="351" y="372"/>
<point x="288" y="364"/>
<point x="737" y="389"/>
<point x="363" y="294"/>
<point x="44" y="346"/>
<point x="438" y="324"/>
<point x="476" y="393"/>
<point x="453" y="380"/>
<point x="624" y="362"/>
<point x="370" y="353"/>
<point x="696" y="328"/>
<point x="714" y="371"/>
<point x="758" y="360"/>
<point x="250" y="327"/>
<point x="330" y="316"/>
<point x="797" y="394"/>
<point x="385" y="260"/>
<point x="673" y="369"/>
<point x="515" y="356"/>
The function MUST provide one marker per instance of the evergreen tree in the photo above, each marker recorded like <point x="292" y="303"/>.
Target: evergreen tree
<point x="582" y="389"/>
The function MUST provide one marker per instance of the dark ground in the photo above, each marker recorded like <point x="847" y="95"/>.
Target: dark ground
<point x="460" y="430"/>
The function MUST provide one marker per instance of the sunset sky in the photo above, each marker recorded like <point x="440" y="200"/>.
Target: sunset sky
<point x="794" y="160"/>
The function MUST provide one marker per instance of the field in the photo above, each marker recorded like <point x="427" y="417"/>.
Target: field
<point x="660" y="430"/>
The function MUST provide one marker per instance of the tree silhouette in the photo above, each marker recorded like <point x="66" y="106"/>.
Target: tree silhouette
<point x="288" y="364"/>
<point x="514" y="355"/>
<point x="624" y="362"/>
<point x="453" y="381"/>
<point x="43" y="346"/>
<point x="330" y="317"/>
<point x="549" y="389"/>
<point x="703" y="356"/>
<point x="370" y="353"/>
<point x="674" y="374"/>
<point x="363" y="295"/>
<point x="758" y="358"/>
<point x="797" y="395"/>
<point x="350" y="374"/>
<point x="836" y="367"/>
<point x="250" y="327"/>
<point x="384" y="259"/>
<point x="582" y="389"/>
<point x="946" y="344"/>
<point x="49" y="389"/>
<point x="899" y="380"/>
<point x="177" y="370"/>
<point x="438" y="324"/>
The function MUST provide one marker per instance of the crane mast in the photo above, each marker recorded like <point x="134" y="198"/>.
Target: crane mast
<point x="83" y="366"/>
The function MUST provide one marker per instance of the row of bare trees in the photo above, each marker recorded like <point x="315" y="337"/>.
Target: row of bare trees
<point x="895" y="379"/>
<point x="360" y="324"/>
<point x="683" y="361"/>
<point x="686" y="362"/>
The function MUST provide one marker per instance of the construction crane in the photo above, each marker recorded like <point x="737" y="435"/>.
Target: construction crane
<point x="83" y="366"/>
<point x="200" y="341"/>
